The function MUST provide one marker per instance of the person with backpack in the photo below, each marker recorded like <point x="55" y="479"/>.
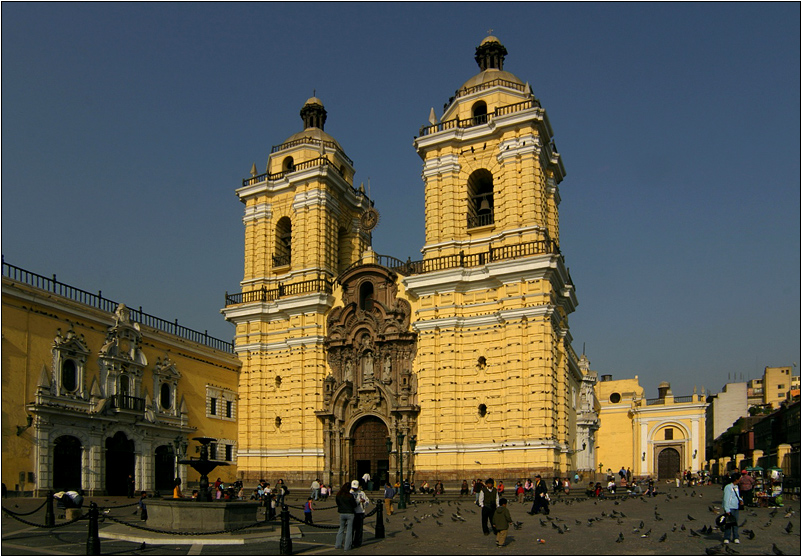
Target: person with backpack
<point x="488" y="501"/>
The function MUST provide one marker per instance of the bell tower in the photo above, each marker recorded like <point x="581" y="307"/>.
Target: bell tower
<point x="302" y="229"/>
<point x="496" y="371"/>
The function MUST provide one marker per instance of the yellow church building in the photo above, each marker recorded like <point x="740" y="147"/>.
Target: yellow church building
<point x="458" y="365"/>
<point x="658" y="437"/>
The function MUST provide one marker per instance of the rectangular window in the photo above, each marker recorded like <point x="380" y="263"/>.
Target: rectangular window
<point x="780" y="387"/>
<point x="212" y="451"/>
<point x="213" y="406"/>
<point x="229" y="453"/>
<point x="669" y="433"/>
<point x="229" y="409"/>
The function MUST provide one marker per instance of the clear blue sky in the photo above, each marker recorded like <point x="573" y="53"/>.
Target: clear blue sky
<point x="127" y="127"/>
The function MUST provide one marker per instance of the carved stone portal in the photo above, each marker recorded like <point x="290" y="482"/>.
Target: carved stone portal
<point x="370" y="349"/>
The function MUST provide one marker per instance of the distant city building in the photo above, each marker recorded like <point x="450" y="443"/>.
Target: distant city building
<point x="658" y="437"/>
<point x="775" y="387"/>
<point x="723" y="410"/>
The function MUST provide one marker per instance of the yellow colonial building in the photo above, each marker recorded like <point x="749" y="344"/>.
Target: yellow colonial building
<point x="658" y="437"/>
<point x="94" y="392"/>
<point x="457" y="365"/>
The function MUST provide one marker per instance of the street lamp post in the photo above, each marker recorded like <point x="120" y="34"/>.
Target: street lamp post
<point x="402" y="503"/>
<point x="413" y="441"/>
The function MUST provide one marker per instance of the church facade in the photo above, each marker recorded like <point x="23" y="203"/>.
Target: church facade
<point x="458" y="365"/>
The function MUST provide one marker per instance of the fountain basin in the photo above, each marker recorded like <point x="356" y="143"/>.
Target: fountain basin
<point x="186" y="515"/>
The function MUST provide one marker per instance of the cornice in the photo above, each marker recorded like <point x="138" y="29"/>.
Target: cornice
<point x="281" y="309"/>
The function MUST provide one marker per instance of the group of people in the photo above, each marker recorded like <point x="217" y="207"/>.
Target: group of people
<point x="351" y="503"/>
<point x="319" y="490"/>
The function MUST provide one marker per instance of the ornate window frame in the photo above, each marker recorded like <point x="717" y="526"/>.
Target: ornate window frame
<point x="166" y="374"/>
<point x="66" y="348"/>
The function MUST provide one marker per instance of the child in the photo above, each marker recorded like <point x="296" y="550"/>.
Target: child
<point x="308" y="511"/>
<point x="501" y="522"/>
<point x="143" y="509"/>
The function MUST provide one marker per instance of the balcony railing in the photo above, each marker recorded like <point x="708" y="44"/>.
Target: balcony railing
<point x="281" y="260"/>
<point x="311" y="141"/>
<point x="476" y="221"/>
<point x="654" y="401"/>
<point x="97" y="301"/>
<point x="265" y="294"/>
<point x="127" y="402"/>
<point x="480" y="119"/>
<point x="445" y="262"/>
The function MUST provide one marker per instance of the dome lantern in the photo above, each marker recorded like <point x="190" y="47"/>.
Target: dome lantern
<point x="490" y="54"/>
<point x="313" y="114"/>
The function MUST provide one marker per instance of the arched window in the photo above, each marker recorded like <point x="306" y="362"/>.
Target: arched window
<point x="69" y="375"/>
<point x="366" y="296"/>
<point x="283" y="252"/>
<point x="479" y="113"/>
<point x="125" y="385"/>
<point x="166" y="396"/>
<point x="288" y="165"/>
<point x="480" y="199"/>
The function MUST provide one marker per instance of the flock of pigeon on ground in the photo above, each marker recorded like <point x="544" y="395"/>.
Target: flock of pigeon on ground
<point x="561" y="526"/>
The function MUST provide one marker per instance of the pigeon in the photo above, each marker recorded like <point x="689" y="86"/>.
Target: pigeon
<point x="789" y="514"/>
<point x="408" y="526"/>
<point x="543" y="522"/>
<point x="622" y="515"/>
<point x="414" y="535"/>
<point x="577" y="521"/>
<point x="694" y="534"/>
<point x="693" y="493"/>
<point x="715" y="550"/>
<point x="621" y="538"/>
<point x="647" y="534"/>
<point x="730" y="551"/>
<point x="773" y="513"/>
<point x="691" y="518"/>
<point x="641" y="525"/>
<point x="143" y="545"/>
<point x="682" y="527"/>
<point x="776" y="550"/>
<point x="560" y="530"/>
<point x="439" y="523"/>
<point x="789" y="527"/>
<point x="749" y="534"/>
<point x="663" y="538"/>
<point x="674" y="529"/>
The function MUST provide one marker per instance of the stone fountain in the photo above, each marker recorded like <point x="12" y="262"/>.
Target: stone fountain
<point x="204" y="513"/>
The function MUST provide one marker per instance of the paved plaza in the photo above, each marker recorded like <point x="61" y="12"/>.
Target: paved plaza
<point x="448" y="525"/>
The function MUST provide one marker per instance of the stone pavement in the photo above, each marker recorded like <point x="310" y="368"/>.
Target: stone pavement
<point x="430" y="527"/>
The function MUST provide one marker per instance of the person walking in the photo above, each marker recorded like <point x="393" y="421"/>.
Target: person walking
<point x="488" y="501"/>
<point x="346" y="507"/>
<point x="501" y="522"/>
<point x="541" y="496"/>
<point x="731" y="501"/>
<point x="315" y="487"/>
<point x="359" y="512"/>
<point x="389" y="493"/>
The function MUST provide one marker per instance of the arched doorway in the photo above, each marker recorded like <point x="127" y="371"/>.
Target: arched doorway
<point x="67" y="463"/>
<point x="668" y="464"/>
<point x="369" y="451"/>
<point x="120" y="463"/>
<point x="164" y="463"/>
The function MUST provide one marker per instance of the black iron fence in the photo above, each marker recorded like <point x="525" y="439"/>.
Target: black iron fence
<point x="96" y="300"/>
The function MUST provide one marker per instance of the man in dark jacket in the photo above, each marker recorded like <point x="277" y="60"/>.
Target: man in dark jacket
<point x="541" y="496"/>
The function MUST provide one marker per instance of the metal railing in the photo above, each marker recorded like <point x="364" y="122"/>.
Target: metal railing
<point x="127" y="402"/>
<point x="97" y="301"/>
<point x="320" y="161"/>
<point x="476" y="221"/>
<point x="480" y="119"/>
<point x="308" y="140"/>
<point x="654" y="401"/>
<point x="265" y="294"/>
<point x="445" y="262"/>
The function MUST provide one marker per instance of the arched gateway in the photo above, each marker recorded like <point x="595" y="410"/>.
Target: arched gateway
<point x="371" y="393"/>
